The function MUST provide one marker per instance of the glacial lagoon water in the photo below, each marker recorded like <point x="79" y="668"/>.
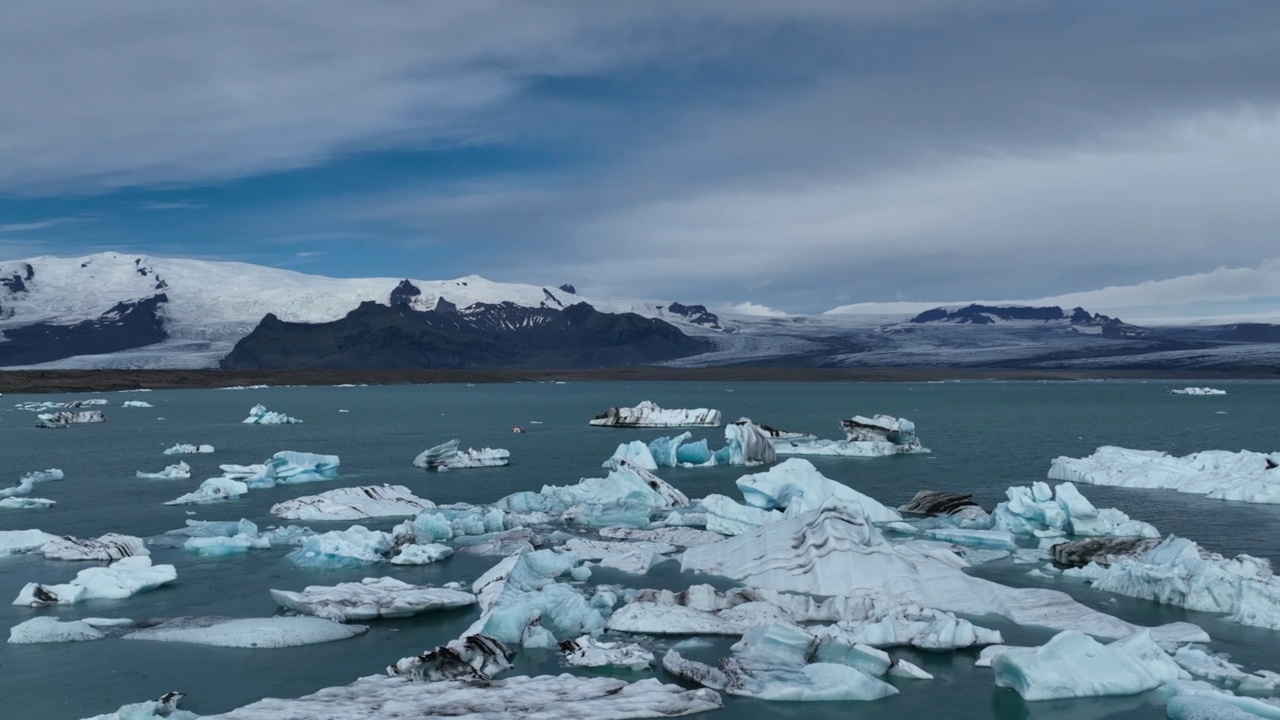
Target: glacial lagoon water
<point x="985" y="436"/>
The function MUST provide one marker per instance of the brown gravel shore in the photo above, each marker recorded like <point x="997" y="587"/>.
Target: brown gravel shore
<point x="41" y="381"/>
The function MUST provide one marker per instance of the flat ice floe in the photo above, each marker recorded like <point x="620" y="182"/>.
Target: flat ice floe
<point x="1179" y="572"/>
<point x="878" y="436"/>
<point x="835" y="550"/>
<point x="544" y="697"/>
<point x="371" y="598"/>
<point x="1074" y="665"/>
<point x="354" y="503"/>
<point x="108" y="547"/>
<point x="51" y="630"/>
<point x="260" y="415"/>
<point x="648" y="414"/>
<point x="123" y="578"/>
<point x="447" y="456"/>
<point x="186" y="449"/>
<point x="274" y="632"/>
<point x="181" y="471"/>
<point x="1242" y="476"/>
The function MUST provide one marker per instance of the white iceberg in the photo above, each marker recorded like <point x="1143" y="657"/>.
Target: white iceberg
<point x="447" y="456"/>
<point x="796" y="486"/>
<point x="878" y="436"/>
<point x="355" y="546"/>
<point x="260" y="415"/>
<point x="635" y="453"/>
<point x="727" y="516"/>
<point x="20" y="542"/>
<point x="664" y="618"/>
<point x="124" y="578"/>
<point x="680" y="537"/>
<point x="1042" y="512"/>
<point x="522" y="604"/>
<point x="136" y="404"/>
<point x="108" y="547"/>
<point x="834" y="550"/>
<point x="545" y="697"/>
<point x="588" y="652"/>
<point x="25" y="503"/>
<point x="628" y="496"/>
<point x="212" y="490"/>
<point x="477" y="658"/>
<point x="185" y="449"/>
<point x="28" y="482"/>
<point x="762" y="678"/>
<point x="52" y="630"/>
<point x="1179" y="572"/>
<point x="181" y="471"/>
<point x="647" y="414"/>
<point x="1074" y="665"/>
<point x="631" y="557"/>
<point x="1197" y="391"/>
<point x="224" y="546"/>
<point x="165" y="708"/>
<point x="274" y="632"/>
<point x="1218" y="669"/>
<point x="68" y="418"/>
<point x="912" y="626"/>
<point x="420" y="554"/>
<point x="1242" y="476"/>
<point x="354" y="503"/>
<point x="501" y="543"/>
<point x="371" y="598"/>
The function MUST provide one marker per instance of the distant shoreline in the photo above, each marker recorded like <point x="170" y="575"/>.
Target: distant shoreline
<point x="48" y="381"/>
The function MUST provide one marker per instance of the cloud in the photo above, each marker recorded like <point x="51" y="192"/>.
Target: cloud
<point x="26" y="227"/>
<point x="755" y="309"/>
<point x="174" y="205"/>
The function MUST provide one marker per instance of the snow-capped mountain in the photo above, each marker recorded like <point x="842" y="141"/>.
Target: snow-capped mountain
<point x="114" y="310"/>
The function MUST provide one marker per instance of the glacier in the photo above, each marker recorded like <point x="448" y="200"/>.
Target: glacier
<point x="1242" y="476"/>
<point x="648" y="414"/>
<point x="260" y="415"/>
<point x="446" y="456"/>
<point x="353" y="503"/>
<point x="381" y="597"/>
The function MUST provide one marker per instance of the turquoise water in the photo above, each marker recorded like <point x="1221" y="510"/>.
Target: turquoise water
<point x="985" y="437"/>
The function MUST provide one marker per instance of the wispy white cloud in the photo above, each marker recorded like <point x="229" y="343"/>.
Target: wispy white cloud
<point x="37" y="225"/>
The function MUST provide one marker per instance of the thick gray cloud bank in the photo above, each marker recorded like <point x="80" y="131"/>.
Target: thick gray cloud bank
<point x="797" y="155"/>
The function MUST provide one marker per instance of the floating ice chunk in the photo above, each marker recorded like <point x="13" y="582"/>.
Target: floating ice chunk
<point x="795" y="645"/>
<point x="121" y="579"/>
<point x="371" y="598"/>
<point x="632" y="557"/>
<point x="166" y="708"/>
<point x="914" y="626"/>
<point x="647" y="414"/>
<point x="904" y="669"/>
<point x="181" y="471"/>
<point x="501" y="543"/>
<point x="136" y="404"/>
<point x="421" y="554"/>
<point x="185" y="449"/>
<point x="796" y="485"/>
<point x="274" y="632"/>
<point x="1242" y="476"/>
<point x="522" y="604"/>
<point x="355" y="546"/>
<point x="983" y="539"/>
<point x="19" y="542"/>
<point x="25" y="503"/>
<point x="935" y="503"/>
<point x="650" y="618"/>
<point x="587" y="652"/>
<point x="545" y="697"/>
<point x="1200" y="664"/>
<point x="1074" y="665"/>
<point x="747" y="444"/>
<point x="761" y="679"/>
<point x="628" y="496"/>
<point x="636" y="453"/>
<point x="223" y="546"/>
<point x="1063" y="511"/>
<point x="680" y="537"/>
<point x="212" y="490"/>
<point x="1180" y="572"/>
<point x="447" y="456"/>
<point x="107" y="547"/>
<point x="834" y="550"/>
<point x="288" y="467"/>
<point x="878" y="436"/>
<point x="678" y="451"/>
<point x="260" y="415"/>
<point x="28" y="482"/>
<point x="727" y="516"/>
<point x="1197" y="391"/>
<point x="989" y="653"/>
<point x="473" y="657"/>
<point x="1196" y="702"/>
<point x="52" y="630"/>
<point x="354" y="503"/>
<point x="65" y="419"/>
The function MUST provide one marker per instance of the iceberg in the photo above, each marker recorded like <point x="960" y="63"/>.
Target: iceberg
<point x="628" y="496"/>
<point x="123" y="578"/>
<point x="835" y="550"/>
<point x="680" y="537"/>
<point x="1197" y="391"/>
<point x="28" y="482"/>
<point x="727" y="516"/>
<point x="136" y="404"/>
<point x="913" y="626"/>
<point x="20" y="542"/>
<point x="679" y="452"/>
<point x="767" y="679"/>
<point x="796" y="485"/>
<point x="273" y="632"/>
<point x="878" y="436"/>
<point x="634" y="453"/>
<point x="502" y="543"/>
<point x="290" y="468"/>
<point x="447" y="457"/>
<point x="1042" y="512"/>
<point x="25" y="503"/>
<point x="939" y="503"/>
<point x="184" y="449"/>
<point x="1241" y="476"/>
<point x="260" y="415"/>
<point x="647" y="414"/>
<point x="1179" y="572"/>
<point x="1104" y="551"/>
<point x="212" y="490"/>
<point x="1074" y="665"/>
<point x="181" y="471"/>
<point x="1218" y="669"/>
<point x="477" y="658"/>
<point x="166" y="707"/>
<point x="664" y="618"/>
<point x="420" y="554"/>
<point x="632" y="557"/>
<point x="68" y="418"/>
<point x="108" y="547"/>
<point x="371" y="598"/>
<point x="353" y="547"/>
<point x="522" y="604"/>
<point x="354" y="503"/>
<point x="587" y="652"/>
<point x="545" y="697"/>
<point x="224" y="546"/>
<point x="746" y="444"/>
<point x="52" y="630"/>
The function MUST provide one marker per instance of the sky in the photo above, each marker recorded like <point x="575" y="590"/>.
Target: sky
<point x="774" y="157"/>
